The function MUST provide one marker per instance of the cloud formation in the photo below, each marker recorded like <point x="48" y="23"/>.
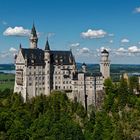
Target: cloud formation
<point x="137" y="10"/>
<point x="16" y="31"/>
<point x="130" y="51"/>
<point x="84" y="50"/>
<point x="9" y="54"/>
<point x="75" y="45"/>
<point x="134" y="49"/>
<point x="12" y="49"/>
<point x="93" y="34"/>
<point x="125" y="40"/>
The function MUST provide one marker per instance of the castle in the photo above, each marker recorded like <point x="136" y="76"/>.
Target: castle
<point x="42" y="71"/>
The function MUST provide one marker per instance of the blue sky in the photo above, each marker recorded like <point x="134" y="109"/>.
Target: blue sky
<point x="86" y="26"/>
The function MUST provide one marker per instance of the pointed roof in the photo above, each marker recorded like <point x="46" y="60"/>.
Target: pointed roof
<point x="20" y="46"/>
<point x="47" y="46"/>
<point x="84" y="64"/>
<point x="33" y="31"/>
<point x="104" y="51"/>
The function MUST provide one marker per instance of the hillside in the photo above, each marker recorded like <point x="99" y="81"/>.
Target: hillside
<point x="57" y="118"/>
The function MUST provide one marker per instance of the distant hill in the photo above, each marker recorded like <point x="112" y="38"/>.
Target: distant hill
<point x="7" y="66"/>
<point x="115" y="68"/>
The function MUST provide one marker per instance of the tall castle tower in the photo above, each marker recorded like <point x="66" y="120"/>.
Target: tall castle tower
<point x="47" y="68"/>
<point x="33" y="38"/>
<point x="105" y="64"/>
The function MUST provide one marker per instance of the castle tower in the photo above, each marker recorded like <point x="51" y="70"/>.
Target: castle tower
<point x="105" y="64"/>
<point x="33" y="38"/>
<point x="84" y="68"/>
<point x="47" y="68"/>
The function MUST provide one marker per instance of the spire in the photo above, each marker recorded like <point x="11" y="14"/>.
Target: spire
<point x="33" y="38"/>
<point x="33" y="31"/>
<point x="20" y="46"/>
<point x="47" y="46"/>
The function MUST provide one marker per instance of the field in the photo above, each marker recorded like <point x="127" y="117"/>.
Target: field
<point x="6" y="81"/>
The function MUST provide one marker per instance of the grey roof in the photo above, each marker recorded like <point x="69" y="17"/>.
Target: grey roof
<point x="33" y="56"/>
<point x="36" y="57"/>
<point x="62" y="57"/>
<point x="47" y="46"/>
<point x="104" y="51"/>
<point x="33" y="31"/>
<point x="97" y="74"/>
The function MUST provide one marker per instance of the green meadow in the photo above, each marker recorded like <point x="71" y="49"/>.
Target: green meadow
<point x="6" y="81"/>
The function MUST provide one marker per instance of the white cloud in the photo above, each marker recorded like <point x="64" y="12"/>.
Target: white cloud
<point x="16" y="31"/>
<point x="137" y="10"/>
<point x="125" y="40"/>
<point x="130" y="51"/>
<point x="75" y="45"/>
<point x="134" y="49"/>
<point x="93" y="34"/>
<point x="12" y="49"/>
<point x="121" y="50"/>
<point x="84" y="50"/>
<point x="9" y="54"/>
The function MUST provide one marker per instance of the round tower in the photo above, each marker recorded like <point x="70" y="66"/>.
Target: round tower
<point x="33" y="38"/>
<point x="105" y="64"/>
<point x="84" y="68"/>
<point x="47" y="68"/>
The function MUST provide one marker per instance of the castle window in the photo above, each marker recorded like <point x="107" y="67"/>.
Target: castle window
<point x="34" y="67"/>
<point x="30" y="84"/>
<point x="55" y="87"/>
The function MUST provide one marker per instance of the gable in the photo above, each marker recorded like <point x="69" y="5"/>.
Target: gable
<point x="20" y="58"/>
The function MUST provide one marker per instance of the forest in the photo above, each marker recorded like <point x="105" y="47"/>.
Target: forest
<point x="55" y="117"/>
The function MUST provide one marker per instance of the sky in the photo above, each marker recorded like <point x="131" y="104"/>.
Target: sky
<point x="84" y="26"/>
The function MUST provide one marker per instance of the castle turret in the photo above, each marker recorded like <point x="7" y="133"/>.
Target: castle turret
<point x="33" y="38"/>
<point x="105" y="64"/>
<point x="47" y="68"/>
<point x="84" y="68"/>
